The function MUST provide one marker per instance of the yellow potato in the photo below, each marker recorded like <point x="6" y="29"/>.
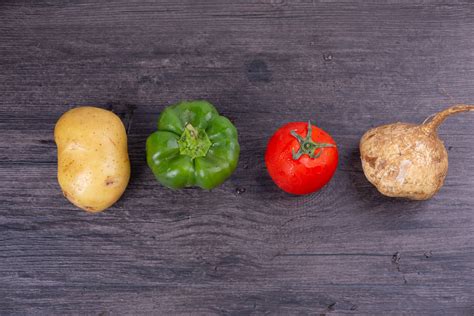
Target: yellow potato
<point x="93" y="164"/>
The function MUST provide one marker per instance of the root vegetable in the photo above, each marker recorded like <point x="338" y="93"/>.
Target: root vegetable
<point x="407" y="160"/>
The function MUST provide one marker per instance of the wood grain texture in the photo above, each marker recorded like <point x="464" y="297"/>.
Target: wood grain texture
<point x="245" y="247"/>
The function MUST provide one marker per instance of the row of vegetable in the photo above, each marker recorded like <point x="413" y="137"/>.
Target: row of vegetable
<point x="194" y="146"/>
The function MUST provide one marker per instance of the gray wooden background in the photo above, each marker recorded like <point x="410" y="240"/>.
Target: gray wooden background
<point x="245" y="247"/>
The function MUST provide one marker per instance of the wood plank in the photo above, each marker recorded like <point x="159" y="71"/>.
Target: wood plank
<point x="245" y="247"/>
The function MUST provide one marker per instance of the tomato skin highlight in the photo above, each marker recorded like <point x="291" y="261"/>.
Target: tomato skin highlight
<point x="304" y="175"/>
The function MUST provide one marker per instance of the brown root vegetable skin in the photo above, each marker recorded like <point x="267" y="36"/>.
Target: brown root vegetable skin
<point x="407" y="160"/>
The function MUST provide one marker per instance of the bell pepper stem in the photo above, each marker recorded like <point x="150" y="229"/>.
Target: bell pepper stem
<point x="194" y="142"/>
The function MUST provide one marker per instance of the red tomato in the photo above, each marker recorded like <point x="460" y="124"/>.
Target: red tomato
<point x="301" y="162"/>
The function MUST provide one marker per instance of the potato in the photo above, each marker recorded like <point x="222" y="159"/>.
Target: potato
<point x="93" y="163"/>
<point x="407" y="160"/>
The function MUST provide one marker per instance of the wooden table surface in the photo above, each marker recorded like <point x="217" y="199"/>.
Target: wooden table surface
<point x="245" y="247"/>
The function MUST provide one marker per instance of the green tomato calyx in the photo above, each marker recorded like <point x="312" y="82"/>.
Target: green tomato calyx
<point x="194" y="142"/>
<point x="307" y="145"/>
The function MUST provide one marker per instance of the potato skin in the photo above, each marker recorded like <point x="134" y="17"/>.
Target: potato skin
<point x="404" y="160"/>
<point x="93" y="163"/>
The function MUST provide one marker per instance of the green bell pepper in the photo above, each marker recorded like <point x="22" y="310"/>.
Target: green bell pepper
<point x="194" y="146"/>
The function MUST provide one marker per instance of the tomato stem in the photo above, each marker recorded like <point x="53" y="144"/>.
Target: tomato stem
<point x="307" y="145"/>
